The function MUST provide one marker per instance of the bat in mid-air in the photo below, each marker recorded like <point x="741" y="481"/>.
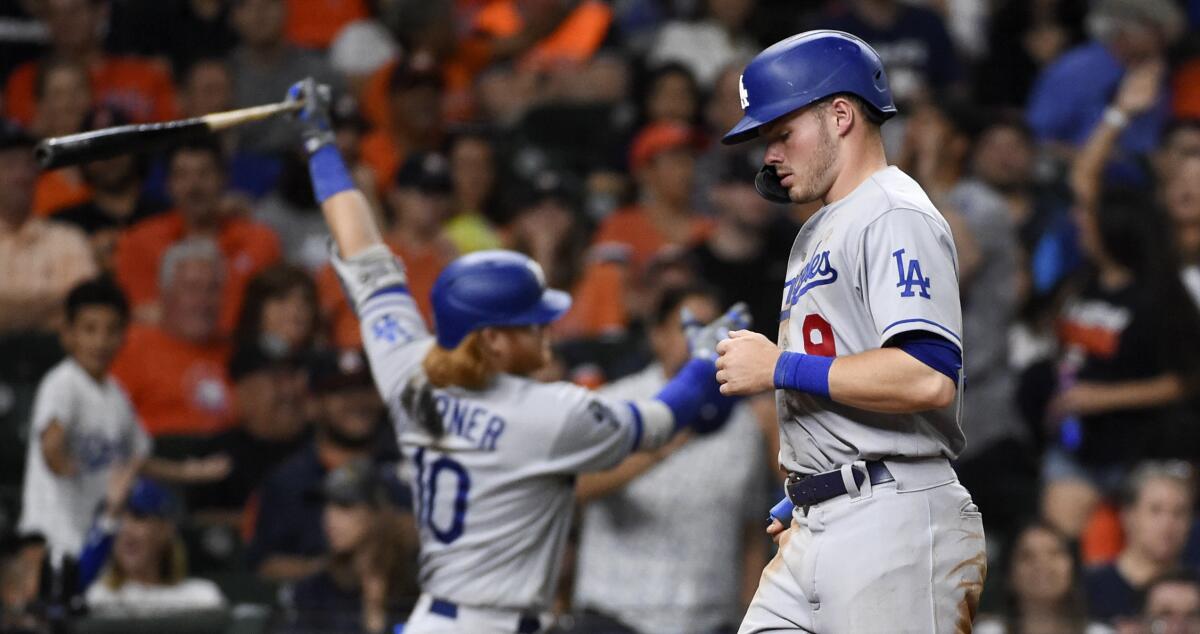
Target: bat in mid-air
<point x="95" y="145"/>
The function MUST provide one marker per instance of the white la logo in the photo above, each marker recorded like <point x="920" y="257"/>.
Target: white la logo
<point x="742" y="94"/>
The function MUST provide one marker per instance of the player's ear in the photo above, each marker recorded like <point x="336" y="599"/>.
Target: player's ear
<point x="844" y="115"/>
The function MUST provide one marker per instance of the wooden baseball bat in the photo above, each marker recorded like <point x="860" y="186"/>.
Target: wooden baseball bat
<point x="74" y="149"/>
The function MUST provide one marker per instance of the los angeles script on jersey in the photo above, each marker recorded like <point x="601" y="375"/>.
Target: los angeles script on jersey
<point x="816" y="272"/>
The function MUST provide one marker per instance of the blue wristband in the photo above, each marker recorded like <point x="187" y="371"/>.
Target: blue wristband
<point x="803" y="372"/>
<point x="329" y="175"/>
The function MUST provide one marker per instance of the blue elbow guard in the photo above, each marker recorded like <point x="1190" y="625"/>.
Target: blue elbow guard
<point x="329" y="174"/>
<point x="694" y="397"/>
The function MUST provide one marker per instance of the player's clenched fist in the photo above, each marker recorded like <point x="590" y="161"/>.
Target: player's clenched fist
<point x="746" y="363"/>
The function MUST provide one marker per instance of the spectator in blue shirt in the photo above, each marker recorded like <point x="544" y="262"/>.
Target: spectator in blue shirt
<point x="1074" y="94"/>
<point x="288" y="543"/>
<point x="1156" y="516"/>
<point x="913" y="43"/>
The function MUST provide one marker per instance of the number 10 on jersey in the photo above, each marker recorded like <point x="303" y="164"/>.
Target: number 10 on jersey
<point x="440" y="477"/>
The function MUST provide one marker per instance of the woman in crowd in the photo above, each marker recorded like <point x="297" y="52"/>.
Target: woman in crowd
<point x="1043" y="589"/>
<point x="147" y="569"/>
<point x="280" y="311"/>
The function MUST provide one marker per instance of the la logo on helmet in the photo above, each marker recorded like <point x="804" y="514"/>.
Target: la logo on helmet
<point x="742" y="94"/>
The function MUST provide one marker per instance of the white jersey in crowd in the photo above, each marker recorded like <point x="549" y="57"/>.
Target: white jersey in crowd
<point x="875" y="264"/>
<point x="494" y="493"/>
<point x="102" y="432"/>
<point x="635" y="563"/>
<point x="132" y="599"/>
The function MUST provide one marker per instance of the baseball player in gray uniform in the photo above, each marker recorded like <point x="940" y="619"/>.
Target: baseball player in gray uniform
<point x="492" y="453"/>
<point x="868" y="369"/>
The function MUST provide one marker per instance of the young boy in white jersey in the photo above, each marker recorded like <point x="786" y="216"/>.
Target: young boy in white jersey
<point x="84" y="435"/>
<point x="85" y="442"/>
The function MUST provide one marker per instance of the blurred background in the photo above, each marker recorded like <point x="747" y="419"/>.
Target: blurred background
<point x="250" y="481"/>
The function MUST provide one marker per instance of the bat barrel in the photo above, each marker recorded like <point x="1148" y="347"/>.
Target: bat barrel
<point x="109" y="142"/>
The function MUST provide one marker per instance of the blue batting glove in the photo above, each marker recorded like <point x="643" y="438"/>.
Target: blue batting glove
<point x="316" y="129"/>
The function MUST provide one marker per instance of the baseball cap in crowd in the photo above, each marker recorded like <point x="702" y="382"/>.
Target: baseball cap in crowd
<point x="12" y="135"/>
<point x="546" y="185"/>
<point x="418" y="71"/>
<point x="333" y="371"/>
<point x="344" y="113"/>
<point x="657" y="138"/>
<point x="354" y="483"/>
<point x="249" y="358"/>
<point x="148" y="498"/>
<point x="426" y="171"/>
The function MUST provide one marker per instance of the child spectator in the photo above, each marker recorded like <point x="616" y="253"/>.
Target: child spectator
<point x="86" y="443"/>
<point x="84" y="436"/>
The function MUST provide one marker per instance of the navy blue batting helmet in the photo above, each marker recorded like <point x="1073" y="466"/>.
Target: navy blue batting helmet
<point x="492" y="288"/>
<point x="806" y="68"/>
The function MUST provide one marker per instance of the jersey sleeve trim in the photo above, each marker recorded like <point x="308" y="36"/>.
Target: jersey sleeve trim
<point x="922" y="321"/>
<point x="638" y="427"/>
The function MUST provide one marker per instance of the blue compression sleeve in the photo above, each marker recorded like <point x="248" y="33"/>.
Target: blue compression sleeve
<point x="803" y="372"/>
<point x="933" y="350"/>
<point x="690" y="390"/>
<point x="328" y="171"/>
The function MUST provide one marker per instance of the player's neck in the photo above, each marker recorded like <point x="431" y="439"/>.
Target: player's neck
<point x="859" y="161"/>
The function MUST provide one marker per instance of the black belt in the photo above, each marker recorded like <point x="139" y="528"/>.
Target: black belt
<point x="814" y="489"/>
<point x="528" y="623"/>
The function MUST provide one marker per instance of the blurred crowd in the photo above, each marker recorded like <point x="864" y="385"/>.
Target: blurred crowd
<point x="189" y="436"/>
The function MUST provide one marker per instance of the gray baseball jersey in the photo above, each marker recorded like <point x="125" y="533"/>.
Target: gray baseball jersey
<point x="877" y="263"/>
<point x="494" y="492"/>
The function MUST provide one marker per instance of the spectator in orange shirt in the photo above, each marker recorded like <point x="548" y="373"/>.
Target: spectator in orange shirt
<point x="40" y="260"/>
<point x="415" y="92"/>
<point x="420" y="203"/>
<point x="662" y="160"/>
<point x="196" y="184"/>
<point x="63" y="96"/>
<point x="314" y="23"/>
<point x="140" y="87"/>
<point x="175" y="373"/>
